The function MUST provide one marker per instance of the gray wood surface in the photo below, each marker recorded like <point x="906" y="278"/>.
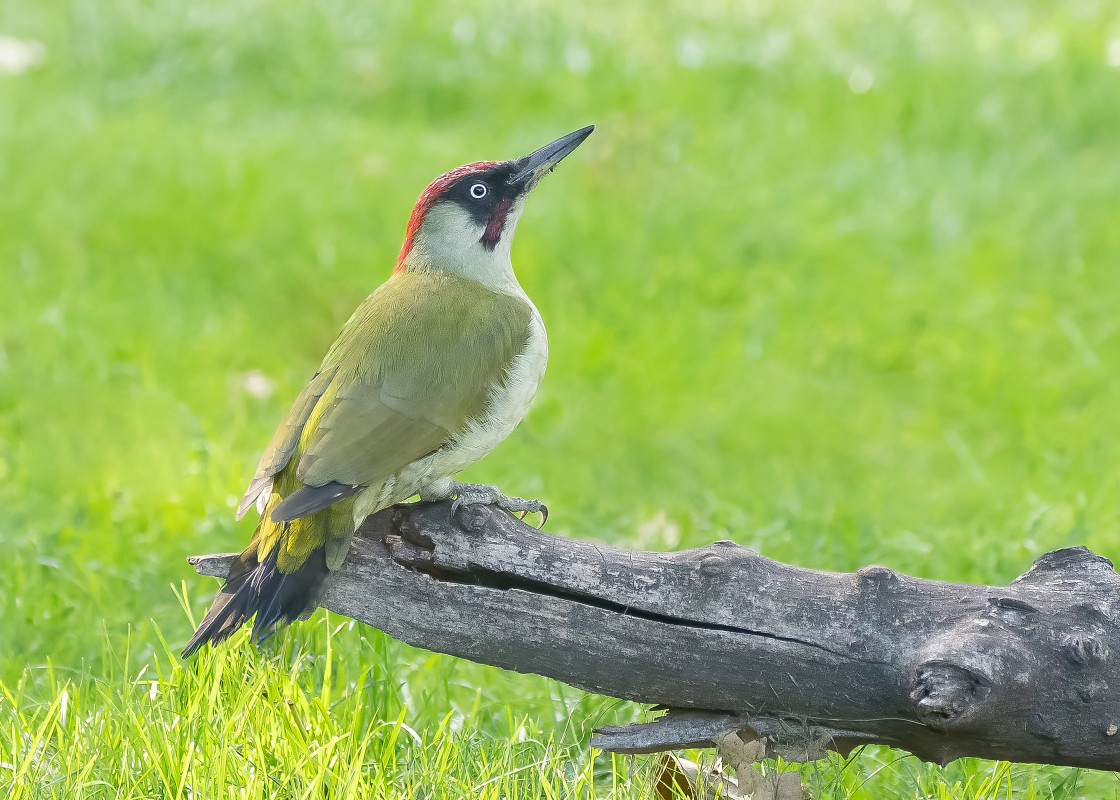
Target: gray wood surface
<point x="726" y="639"/>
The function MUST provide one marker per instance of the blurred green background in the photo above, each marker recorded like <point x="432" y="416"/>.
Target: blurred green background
<point x="837" y="280"/>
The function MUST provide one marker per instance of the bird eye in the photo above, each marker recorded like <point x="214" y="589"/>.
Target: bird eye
<point x="478" y="191"/>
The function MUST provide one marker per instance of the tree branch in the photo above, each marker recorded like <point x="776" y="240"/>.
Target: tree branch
<point x="727" y="640"/>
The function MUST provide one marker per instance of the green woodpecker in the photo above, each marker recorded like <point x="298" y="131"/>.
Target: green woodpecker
<point x="432" y="371"/>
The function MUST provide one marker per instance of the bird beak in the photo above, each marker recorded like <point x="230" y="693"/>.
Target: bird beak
<point x="533" y="167"/>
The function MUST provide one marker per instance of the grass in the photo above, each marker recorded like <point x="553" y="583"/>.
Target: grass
<point x="291" y="722"/>
<point x="834" y="280"/>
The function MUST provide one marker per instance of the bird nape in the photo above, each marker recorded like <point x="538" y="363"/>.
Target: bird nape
<point x="430" y="374"/>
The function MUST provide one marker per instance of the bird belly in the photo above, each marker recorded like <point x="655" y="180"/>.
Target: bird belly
<point x="509" y="402"/>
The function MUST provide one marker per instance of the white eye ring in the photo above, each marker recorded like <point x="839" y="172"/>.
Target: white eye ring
<point x="478" y="191"/>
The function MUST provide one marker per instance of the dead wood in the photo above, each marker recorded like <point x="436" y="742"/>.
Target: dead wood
<point x="728" y="640"/>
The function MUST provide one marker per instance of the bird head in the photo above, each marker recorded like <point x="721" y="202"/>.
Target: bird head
<point x="465" y="220"/>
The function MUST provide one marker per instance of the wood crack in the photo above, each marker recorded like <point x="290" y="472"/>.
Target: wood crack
<point x="505" y="581"/>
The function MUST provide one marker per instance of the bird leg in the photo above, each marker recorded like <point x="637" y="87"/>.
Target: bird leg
<point x="469" y="494"/>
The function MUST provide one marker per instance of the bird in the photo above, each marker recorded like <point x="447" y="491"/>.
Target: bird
<point x="434" y="369"/>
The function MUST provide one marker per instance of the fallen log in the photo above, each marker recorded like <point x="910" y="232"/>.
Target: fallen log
<point x="727" y="640"/>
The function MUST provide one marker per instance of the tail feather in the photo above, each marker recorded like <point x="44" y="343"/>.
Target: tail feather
<point x="259" y="587"/>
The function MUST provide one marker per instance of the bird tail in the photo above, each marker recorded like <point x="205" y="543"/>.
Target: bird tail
<point x="261" y="588"/>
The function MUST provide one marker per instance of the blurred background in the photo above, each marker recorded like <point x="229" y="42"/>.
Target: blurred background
<point x="836" y="280"/>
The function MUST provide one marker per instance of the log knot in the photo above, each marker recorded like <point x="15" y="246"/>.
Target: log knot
<point x="1076" y="564"/>
<point x="712" y="566"/>
<point x="875" y="578"/>
<point x="1013" y="612"/>
<point x="473" y="518"/>
<point x="408" y="553"/>
<point x="402" y="522"/>
<point x="1083" y="649"/>
<point x="947" y="695"/>
<point x="408" y="544"/>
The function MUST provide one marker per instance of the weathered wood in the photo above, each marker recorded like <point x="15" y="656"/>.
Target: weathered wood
<point x="730" y="640"/>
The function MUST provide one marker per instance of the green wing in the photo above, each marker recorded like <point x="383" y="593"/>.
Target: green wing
<point x="285" y="439"/>
<point x="415" y="363"/>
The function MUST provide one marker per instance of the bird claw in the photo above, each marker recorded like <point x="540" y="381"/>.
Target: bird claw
<point x="543" y="510"/>
<point x="469" y="494"/>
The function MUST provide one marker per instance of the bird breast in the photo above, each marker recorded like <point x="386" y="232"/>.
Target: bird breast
<point x="509" y="402"/>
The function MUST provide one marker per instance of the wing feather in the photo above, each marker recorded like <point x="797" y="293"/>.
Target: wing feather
<point x="309" y="499"/>
<point x="413" y="366"/>
<point x="286" y="437"/>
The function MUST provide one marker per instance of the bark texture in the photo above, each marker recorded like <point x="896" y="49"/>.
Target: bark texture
<point x="727" y="640"/>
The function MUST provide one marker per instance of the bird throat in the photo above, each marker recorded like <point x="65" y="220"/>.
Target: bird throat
<point x="496" y="224"/>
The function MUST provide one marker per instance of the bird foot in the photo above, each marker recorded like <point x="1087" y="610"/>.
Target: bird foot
<point x="470" y="494"/>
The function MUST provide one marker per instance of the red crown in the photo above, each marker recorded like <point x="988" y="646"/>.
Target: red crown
<point x="434" y="191"/>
